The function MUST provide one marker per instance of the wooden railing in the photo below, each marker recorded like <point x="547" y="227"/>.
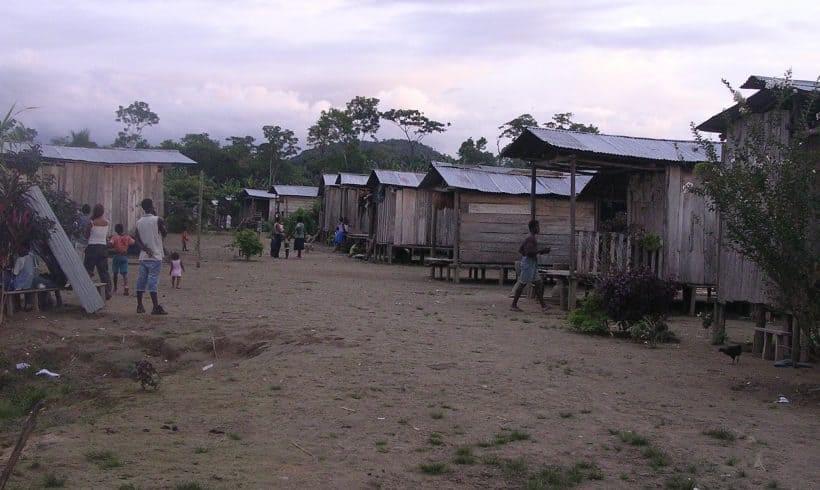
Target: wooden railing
<point x="600" y="253"/>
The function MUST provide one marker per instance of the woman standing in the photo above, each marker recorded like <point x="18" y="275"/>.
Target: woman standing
<point x="277" y="238"/>
<point x="299" y="237"/>
<point x="96" y="253"/>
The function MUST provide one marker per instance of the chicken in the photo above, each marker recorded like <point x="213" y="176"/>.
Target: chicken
<point x="732" y="351"/>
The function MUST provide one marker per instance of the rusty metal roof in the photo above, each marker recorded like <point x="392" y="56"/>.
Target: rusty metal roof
<point x="259" y="194"/>
<point x="539" y="142"/>
<point x="329" y="179"/>
<point x="760" y="83"/>
<point x="295" y="190"/>
<point x="502" y="181"/>
<point x="115" y="156"/>
<point x="352" y="179"/>
<point x="396" y="178"/>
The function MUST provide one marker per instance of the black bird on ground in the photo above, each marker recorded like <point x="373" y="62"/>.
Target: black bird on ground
<point x="732" y="351"/>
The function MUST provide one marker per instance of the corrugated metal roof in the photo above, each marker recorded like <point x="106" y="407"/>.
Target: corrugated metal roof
<point x="115" y="156"/>
<point x="494" y="182"/>
<point x="352" y="179"/>
<point x="296" y="190"/>
<point x="393" y="177"/>
<point x="259" y="194"/>
<point x="760" y="82"/>
<point x="622" y="146"/>
<point x="329" y="179"/>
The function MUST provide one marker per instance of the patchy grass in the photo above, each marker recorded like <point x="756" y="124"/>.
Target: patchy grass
<point x="657" y="458"/>
<point x="721" y="434"/>
<point x="381" y="446"/>
<point x="127" y="486"/>
<point x="562" y="477"/>
<point x="565" y="415"/>
<point x="53" y="481"/>
<point x="508" y="437"/>
<point x="188" y="485"/>
<point x="17" y="403"/>
<point x="234" y="436"/>
<point x="200" y="450"/>
<point x="731" y="461"/>
<point x="403" y="421"/>
<point x="773" y="485"/>
<point x="435" y="468"/>
<point x="679" y="482"/>
<point x="435" y="439"/>
<point x="464" y="455"/>
<point x="276" y="388"/>
<point x="437" y="415"/>
<point x="105" y="460"/>
<point x="631" y="438"/>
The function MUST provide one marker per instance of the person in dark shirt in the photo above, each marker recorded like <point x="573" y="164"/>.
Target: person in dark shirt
<point x="529" y="267"/>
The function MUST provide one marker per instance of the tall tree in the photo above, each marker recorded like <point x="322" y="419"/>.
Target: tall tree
<point x="135" y="118"/>
<point x="563" y="120"/>
<point x="475" y="152"/>
<point x="281" y="144"/>
<point x="415" y="125"/>
<point x="79" y="139"/>
<point x="513" y="128"/>
<point x="334" y="127"/>
<point x="364" y="116"/>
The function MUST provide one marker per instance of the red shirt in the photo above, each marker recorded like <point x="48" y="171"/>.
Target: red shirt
<point x="121" y="243"/>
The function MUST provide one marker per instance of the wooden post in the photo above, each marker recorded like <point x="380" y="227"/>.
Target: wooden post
<point x="718" y="324"/>
<point x="795" y="329"/>
<point x="457" y="238"/>
<point x="199" y="221"/>
<point x="28" y="428"/>
<point x="532" y="191"/>
<point x="433" y="232"/>
<point x="572" y="244"/>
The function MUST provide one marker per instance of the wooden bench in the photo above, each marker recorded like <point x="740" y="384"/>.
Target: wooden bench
<point x="11" y="298"/>
<point x="771" y="343"/>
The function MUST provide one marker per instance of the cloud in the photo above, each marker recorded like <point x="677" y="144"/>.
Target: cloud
<point x="630" y="66"/>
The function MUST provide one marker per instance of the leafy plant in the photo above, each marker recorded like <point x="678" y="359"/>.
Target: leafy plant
<point x="247" y="243"/>
<point x="590" y="317"/>
<point x="651" y="330"/>
<point x="630" y="296"/>
<point x="649" y="241"/>
<point x="308" y="218"/>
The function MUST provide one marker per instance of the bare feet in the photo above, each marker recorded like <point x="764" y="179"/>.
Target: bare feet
<point x="515" y="308"/>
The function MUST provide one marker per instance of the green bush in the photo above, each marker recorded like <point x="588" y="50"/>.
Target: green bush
<point x="590" y="317"/>
<point x="652" y="330"/>
<point x="247" y="243"/>
<point x="308" y="217"/>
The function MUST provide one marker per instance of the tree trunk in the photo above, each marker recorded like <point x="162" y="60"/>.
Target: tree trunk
<point x="719" y="324"/>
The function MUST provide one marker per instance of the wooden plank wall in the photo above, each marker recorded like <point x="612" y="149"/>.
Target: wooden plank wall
<point x="331" y="207"/>
<point x="357" y="216"/>
<point x="493" y="227"/>
<point x="119" y="188"/>
<point x="645" y="198"/>
<point x="692" y="232"/>
<point x="291" y="204"/>
<point x="445" y="220"/>
<point x="385" y="217"/>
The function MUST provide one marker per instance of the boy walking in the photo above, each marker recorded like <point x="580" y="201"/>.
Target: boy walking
<point x="150" y="232"/>
<point x="120" y="243"/>
<point x="529" y="267"/>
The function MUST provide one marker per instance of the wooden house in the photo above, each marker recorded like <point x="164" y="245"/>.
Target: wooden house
<point x="257" y="204"/>
<point x="291" y="198"/>
<point x="491" y="210"/>
<point x="353" y="203"/>
<point x="117" y="178"/>
<point x="330" y="195"/>
<point x="403" y="215"/>
<point x="670" y="229"/>
<point x="738" y="278"/>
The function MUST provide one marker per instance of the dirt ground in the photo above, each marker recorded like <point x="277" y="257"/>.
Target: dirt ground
<point x="334" y="373"/>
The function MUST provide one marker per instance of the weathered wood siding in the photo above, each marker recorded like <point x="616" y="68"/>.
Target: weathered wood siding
<point x="331" y="208"/>
<point x="691" y="237"/>
<point x="357" y="215"/>
<point x="493" y="227"/>
<point x="645" y="201"/>
<point x="290" y="204"/>
<point x="119" y="188"/>
<point x="405" y="217"/>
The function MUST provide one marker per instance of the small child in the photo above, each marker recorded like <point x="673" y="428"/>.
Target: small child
<point x="287" y="247"/>
<point x="120" y="243"/>
<point x="185" y="239"/>
<point x="176" y="270"/>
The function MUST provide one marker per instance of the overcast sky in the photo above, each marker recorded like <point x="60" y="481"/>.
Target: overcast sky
<point x="642" y="67"/>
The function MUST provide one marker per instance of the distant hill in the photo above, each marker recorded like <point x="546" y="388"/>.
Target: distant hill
<point x="392" y="153"/>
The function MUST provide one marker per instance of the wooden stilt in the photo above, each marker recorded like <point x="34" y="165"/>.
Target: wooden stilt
<point x="692" y="300"/>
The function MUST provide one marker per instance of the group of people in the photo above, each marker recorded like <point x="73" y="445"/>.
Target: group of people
<point x="279" y="238"/>
<point x="340" y="235"/>
<point x="94" y="240"/>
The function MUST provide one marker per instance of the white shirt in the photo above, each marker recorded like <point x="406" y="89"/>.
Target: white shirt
<point x="99" y="235"/>
<point x="148" y="230"/>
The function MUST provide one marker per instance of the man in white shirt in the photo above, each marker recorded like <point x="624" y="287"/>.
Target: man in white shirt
<point x="150" y="232"/>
